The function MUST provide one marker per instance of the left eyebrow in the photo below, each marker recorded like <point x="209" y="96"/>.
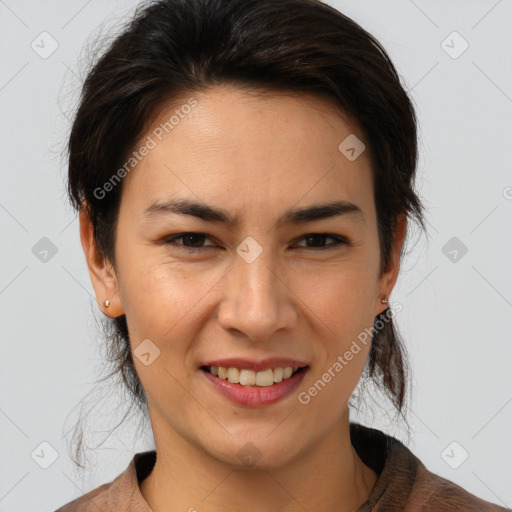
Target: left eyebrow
<point x="210" y="213"/>
<point x="321" y="211"/>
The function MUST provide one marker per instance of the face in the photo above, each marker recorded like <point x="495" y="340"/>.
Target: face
<point x="279" y="280"/>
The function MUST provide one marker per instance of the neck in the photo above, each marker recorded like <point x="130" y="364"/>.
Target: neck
<point x="329" y="477"/>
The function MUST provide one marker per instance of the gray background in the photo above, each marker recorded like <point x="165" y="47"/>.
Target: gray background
<point x="456" y="315"/>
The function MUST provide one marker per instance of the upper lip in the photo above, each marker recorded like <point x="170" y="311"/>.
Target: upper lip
<point x="247" y="364"/>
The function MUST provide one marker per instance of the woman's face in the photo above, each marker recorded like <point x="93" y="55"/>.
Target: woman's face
<point x="253" y="288"/>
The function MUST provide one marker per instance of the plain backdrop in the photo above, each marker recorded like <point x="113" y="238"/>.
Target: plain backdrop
<point x="455" y="288"/>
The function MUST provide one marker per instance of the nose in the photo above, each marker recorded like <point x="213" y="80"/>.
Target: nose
<point x="258" y="301"/>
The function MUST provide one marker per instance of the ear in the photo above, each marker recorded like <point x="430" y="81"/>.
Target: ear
<point x="103" y="277"/>
<point x="388" y="278"/>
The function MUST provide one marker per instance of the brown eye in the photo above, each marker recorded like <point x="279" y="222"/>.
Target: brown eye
<point x="317" y="239"/>
<point x="191" y="241"/>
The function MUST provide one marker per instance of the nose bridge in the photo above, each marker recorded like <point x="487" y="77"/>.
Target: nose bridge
<point x="257" y="275"/>
<point x="256" y="300"/>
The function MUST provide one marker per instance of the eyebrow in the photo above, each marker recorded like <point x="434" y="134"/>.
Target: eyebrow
<point x="209" y="213"/>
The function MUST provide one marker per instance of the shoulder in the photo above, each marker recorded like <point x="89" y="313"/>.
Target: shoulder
<point x="433" y="492"/>
<point x="96" y="499"/>
<point x="121" y="494"/>
<point x="404" y="483"/>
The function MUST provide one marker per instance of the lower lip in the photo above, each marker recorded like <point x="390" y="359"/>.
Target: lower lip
<point x="255" y="395"/>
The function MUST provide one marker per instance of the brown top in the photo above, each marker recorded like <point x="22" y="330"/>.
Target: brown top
<point x="403" y="483"/>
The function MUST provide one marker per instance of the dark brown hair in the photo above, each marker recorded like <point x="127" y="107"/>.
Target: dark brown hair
<point x="176" y="47"/>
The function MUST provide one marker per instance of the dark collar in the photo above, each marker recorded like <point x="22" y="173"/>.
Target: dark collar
<point x="395" y="465"/>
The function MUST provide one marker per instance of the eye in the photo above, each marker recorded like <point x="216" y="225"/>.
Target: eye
<point x="316" y="238"/>
<point x="194" y="239"/>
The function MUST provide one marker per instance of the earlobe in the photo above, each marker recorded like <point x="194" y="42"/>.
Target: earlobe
<point x="381" y="304"/>
<point x="101" y="272"/>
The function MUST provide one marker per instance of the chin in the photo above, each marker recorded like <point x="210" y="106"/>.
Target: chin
<point x="257" y="452"/>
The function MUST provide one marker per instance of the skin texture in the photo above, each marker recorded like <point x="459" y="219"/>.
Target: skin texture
<point x="255" y="156"/>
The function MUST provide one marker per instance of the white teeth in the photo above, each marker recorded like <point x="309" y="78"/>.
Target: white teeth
<point x="234" y="375"/>
<point x="246" y="377"/>
<point x="265" y="378"/>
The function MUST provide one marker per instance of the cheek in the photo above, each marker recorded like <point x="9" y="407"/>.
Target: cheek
<point x="157" y="292"/>
<point x="343" y="336"/>
<point x="160" y="305"/>
<point x="341" y="297"/>
<point x="157" y="299"/>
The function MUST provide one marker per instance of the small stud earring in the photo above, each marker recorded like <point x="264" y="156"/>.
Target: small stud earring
<point x="384" y="301"/>
<point x="106" y="303"/>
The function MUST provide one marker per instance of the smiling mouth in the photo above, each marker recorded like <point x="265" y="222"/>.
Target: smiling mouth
<point x="250" y="378"/>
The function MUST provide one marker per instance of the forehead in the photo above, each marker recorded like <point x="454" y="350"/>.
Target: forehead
<point x="230" y="142"/>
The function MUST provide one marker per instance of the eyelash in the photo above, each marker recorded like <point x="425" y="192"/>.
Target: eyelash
<point x="338" y="239"/>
